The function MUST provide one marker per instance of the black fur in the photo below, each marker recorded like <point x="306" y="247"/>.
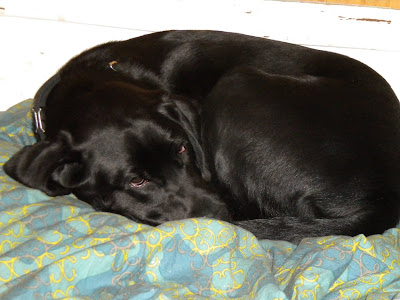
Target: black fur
<point x="286" y="141"/>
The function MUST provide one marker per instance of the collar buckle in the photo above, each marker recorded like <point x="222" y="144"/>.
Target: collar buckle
<point x="38" y="118"/>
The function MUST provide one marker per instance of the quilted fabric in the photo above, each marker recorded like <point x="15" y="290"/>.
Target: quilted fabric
<point x="60" y="248"/>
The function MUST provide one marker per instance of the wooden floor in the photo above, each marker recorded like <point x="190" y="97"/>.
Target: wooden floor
<point x="38" y="37"/>
<point x="377" y="3"/>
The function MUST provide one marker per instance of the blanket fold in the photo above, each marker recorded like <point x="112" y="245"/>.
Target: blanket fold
<point x="61" y="248"/>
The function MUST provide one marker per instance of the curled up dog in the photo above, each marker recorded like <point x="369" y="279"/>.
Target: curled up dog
<point x="285" y="141"/>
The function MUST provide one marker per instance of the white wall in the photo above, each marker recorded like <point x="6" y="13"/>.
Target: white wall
<point x="38" y="37"/>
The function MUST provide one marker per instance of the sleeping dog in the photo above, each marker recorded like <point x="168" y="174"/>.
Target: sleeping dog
<point x="285" y="141"/>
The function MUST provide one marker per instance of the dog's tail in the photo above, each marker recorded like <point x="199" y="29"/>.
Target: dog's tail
<point x="294" y="229"/>
<point x="381" y="214"/>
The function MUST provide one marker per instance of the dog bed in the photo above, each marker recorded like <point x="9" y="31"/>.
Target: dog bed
<point x="58" y="248"/>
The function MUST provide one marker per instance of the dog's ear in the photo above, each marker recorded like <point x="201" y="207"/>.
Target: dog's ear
<point x="184" y="112"/>
<point x="48" y="166"/>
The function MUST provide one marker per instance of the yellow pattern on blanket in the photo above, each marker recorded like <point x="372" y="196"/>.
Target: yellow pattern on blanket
<point x="61" y="248"/>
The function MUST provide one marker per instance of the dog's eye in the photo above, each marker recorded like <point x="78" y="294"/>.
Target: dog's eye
<point x="182" y="149"/>
<point x="138" y="182"/>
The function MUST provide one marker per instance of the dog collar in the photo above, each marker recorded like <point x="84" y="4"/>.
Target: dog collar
<point x="40" y="105"/>
<point x="41" y="96"/>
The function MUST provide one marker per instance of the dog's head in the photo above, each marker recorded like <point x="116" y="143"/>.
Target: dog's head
<point x="124" y="149"/>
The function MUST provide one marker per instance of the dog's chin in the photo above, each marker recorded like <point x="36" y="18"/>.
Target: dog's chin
<point x="133" y="218"/>
<point x="219" y="213"/>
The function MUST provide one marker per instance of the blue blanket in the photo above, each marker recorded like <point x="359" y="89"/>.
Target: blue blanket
<point x="60" y="248"/>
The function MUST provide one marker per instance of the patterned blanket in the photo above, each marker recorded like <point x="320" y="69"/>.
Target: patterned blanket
<point x="60" y="248"/>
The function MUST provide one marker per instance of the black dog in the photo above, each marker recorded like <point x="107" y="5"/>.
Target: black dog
<point x="285" y="141"/>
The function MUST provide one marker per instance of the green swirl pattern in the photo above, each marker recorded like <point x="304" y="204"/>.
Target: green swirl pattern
<point x="60" y="248"/>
